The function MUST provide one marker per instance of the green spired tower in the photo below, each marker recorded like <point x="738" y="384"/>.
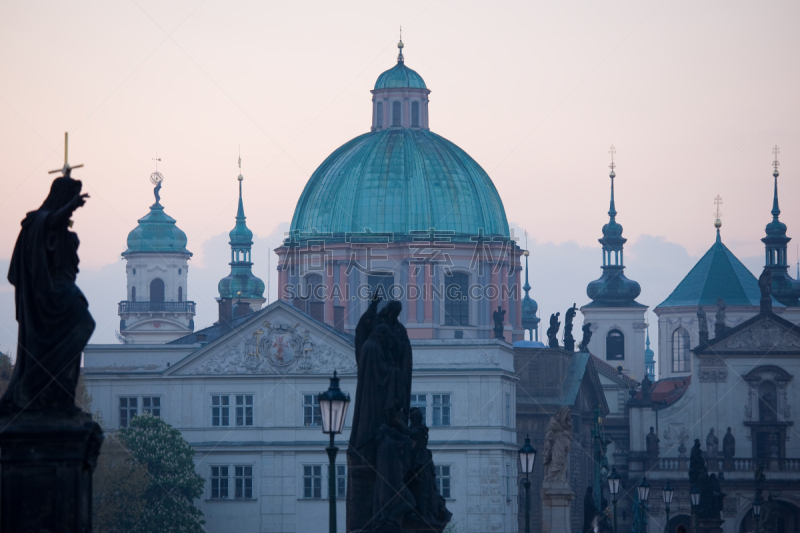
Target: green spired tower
<point x="240" y="285"/>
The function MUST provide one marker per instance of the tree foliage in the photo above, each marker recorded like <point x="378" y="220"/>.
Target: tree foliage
<point x="173" y="484"/>
<point x="119" y="486"/>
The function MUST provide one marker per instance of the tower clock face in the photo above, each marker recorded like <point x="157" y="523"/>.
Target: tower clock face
<point x="156" y="178"/>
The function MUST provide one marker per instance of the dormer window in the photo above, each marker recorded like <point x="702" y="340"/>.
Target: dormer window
<point x="396" y="113"/>
<point x="415" y="114"/>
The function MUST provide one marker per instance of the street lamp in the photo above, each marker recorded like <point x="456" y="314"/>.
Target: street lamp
<point x="613" y="488"/>
<point x="644" y="495"/>
<point x="757" y="511"/>
<point x="666" y="495"/>
<point x="695" y="496"/>
<point x="527" y="456"/>
<point x="333" y="405"/>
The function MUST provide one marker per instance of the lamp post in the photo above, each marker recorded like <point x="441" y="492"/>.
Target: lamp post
<point x="613" y="488"/>
<point x="695" y="496"/>
<point x="666" y="495"/>
<point x="757" y="511"/>
<point x="333" y="405"/>
<point x="527" y="455"/>
<point x="644" y="495"/>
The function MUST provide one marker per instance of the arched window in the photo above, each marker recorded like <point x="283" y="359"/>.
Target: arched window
<point x="396" y="112"/>
<point x="415" y="114"/>
<point x="615" y="345"/>
<point x="379" y="115"/>
<point x="680" y="351"/>
<point x="456" y="299"/>
<point x="133" y="294"/>
<point x="314" y="294"/>
<point x="767" y="401"/>
<point x="180" y="294"/>
<point x="157" y="290"/>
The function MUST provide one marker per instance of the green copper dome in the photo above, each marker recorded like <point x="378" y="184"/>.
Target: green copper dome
<point x="156" y="233"/>
<point x="398" y="181"/>
<point x="400" y="77"/>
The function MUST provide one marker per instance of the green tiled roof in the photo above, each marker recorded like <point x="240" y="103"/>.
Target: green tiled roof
<point x="718" y="274"/>
<point x="156" y="233"/>
<point x="397" y="181"/>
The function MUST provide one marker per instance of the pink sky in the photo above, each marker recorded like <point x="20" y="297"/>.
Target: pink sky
<point x="693" y="96"/>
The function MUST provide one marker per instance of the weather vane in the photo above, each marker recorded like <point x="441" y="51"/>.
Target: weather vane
<point x="612" y="151"/>
<point x="66" y="169"/>
<point x="156" y="178"/>
<point x="775" y="162"/>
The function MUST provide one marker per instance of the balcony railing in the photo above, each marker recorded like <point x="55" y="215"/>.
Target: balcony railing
<point x="156" y="307"/>
<point x="737" y="464"/>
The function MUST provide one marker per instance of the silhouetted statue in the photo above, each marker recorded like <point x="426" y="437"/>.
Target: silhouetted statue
<point x="719" y="326"/>
<point x="712" y="443"/>
<point x="697" y="465"/>
<point x="702" y="324"/>
<point x="651" y="442"/>
<point x="557" y="443"/>
<point x="647" y="388"/>
<point x="382" y="448"/>
<point x="53" y="314"/>
<point x="589" y="510"/>
<point x="765" y="286"/>
<point x="499" y="317"/>
<point x="587" y="336"/>
<point x="569" y="340"/>
<point x="729" y="449"/>
<point x="552" y="331"/>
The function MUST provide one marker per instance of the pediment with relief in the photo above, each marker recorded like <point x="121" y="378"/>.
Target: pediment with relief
<point x="275" y="345"/>
<point x="766" y="334"/>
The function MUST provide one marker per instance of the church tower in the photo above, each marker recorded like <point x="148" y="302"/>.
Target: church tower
<point x="617" y="319"/>
<point x="156" y="309"/>
<point x="784" y="288"/>
<point x="240" y="285"/>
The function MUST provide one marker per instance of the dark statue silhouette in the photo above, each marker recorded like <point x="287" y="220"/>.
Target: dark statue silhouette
<point x="569" y="340"/>
<point x="499" y="316"/>
<point x="587" y="336"/>
<point x="53" y="314"/>
<point x="552" y="331"/>
<point x="391" y="481"/>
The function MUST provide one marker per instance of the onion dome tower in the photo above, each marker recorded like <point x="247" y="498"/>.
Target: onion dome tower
<point x="530" y="322"/>
<point x="156" y="310"/>
<point x="649" y="358"/>
<point x="785" y="289"/>
<point x="617" y="319"/>
<point x="241" y="285"/>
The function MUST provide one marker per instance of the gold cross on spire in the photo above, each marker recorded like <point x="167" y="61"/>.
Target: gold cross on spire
<point x="66" y="169"/>
<point x="775" y="162"/>
<point x="612" y="151"/>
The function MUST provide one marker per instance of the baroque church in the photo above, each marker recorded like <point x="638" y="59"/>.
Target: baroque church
<point x="403" y="213"/>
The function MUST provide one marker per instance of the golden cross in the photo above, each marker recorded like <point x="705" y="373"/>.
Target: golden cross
<point x="775" y="152"/>
<point x="612" y="151"/>
<point x="718" y="202"/>
<point x="65" y="170"/>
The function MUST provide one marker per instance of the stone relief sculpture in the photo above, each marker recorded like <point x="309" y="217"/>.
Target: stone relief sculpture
<point x="557" y="443"/>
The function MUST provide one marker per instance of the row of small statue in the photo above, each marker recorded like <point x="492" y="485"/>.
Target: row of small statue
<point x="712" y="444"/>
<point x="569" y="340"/>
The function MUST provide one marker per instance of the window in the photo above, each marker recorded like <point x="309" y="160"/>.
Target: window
<point x="680" y="350"/>
<point x="508" y="411"/>
<point x="243" y="482"/>
<point x="341" y="481"/>
<point x="180" y="294"/>
<point x="312" y="481"/>
<point x="152" y="405"/>
<point x="767" y="401"/>
<point x="157" y="290"/>
<point x="615" y="345"/>
<point x="381" y="282"/>
<point x="220" y="411"/>
<point x="379" y="117"/>
<point x="456" y="302"/>
<point x="314" y="296"/>
<point x="443" y="481"/>
<point x="133" y="294"/>
<point x="244" y="409"/>
<point x="420" y="401"/>
<point x="396" y="114"/>
<point x="311" y="412"/>
<point x="219" y="482"/>
<point x="415" y="114"/>
<point x="441" y="409"/>
<point x="128" y="408"/>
